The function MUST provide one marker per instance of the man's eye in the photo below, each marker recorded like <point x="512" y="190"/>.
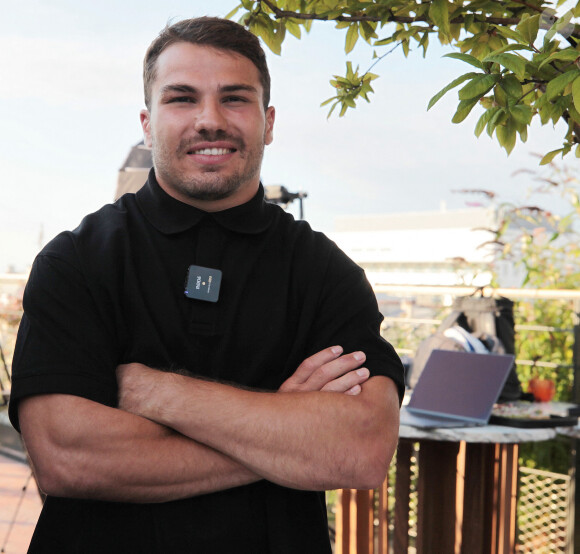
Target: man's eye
<point x="182" y="99"/>
<point x="235" y="99"/>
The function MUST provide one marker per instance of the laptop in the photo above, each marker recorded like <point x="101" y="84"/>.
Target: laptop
<point x="456" y="389"/>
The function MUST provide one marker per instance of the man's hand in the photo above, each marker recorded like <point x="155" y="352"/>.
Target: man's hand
<point x="329" y="371"/>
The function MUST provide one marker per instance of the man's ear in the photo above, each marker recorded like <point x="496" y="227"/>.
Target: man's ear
<point x="269" y="133"/>
<point x="146" y="125"/>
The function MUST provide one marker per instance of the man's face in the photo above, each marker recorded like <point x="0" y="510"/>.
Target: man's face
<point x="207" y="126"/>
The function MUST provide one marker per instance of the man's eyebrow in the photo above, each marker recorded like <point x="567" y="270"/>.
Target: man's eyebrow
<point x="238" y="87"/>
<point x="188" y="89"/>
<point x="177" y="88"/>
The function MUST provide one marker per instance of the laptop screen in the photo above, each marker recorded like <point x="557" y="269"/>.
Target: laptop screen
<point x="463" y="384"/>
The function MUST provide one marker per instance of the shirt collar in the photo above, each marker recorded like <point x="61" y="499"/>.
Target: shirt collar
<point x="169" y="216"/>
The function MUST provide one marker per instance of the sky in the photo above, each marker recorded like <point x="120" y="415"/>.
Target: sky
<point x="71" y="92"/>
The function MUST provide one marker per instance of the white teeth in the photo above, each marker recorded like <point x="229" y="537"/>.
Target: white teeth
<point x="213" y="151"/>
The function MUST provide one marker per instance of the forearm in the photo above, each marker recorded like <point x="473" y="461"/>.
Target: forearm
<point x="82" y="449"/>
<point x="311" y="440"/>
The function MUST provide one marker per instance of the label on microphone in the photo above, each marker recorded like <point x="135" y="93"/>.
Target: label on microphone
<point x="203" y="283"/>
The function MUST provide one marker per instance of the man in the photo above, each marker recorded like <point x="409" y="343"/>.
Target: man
<point x="194" y="367"/>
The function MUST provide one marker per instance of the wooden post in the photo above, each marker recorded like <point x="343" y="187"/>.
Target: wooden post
<point x="354" y="522"/>
<point x="477" y="500"/>
<point x="362" y="516"/>
<point x="574" y="516"/>
<point x="437" y="498"/>
<point x="402" y="494"/>
<point x="383" y="515"/>
<point x="342" y="538"/>
<point x="505" y="499"/>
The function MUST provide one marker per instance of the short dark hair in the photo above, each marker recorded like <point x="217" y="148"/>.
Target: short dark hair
<point x="207" y="31"/>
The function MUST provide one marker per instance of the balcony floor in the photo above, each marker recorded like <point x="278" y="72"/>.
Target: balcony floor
<point x="18" y="510"/>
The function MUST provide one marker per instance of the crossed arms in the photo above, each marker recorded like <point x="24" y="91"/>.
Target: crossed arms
<point x="328" y="426"/>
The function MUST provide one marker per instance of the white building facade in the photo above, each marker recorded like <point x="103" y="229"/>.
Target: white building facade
<point x="426" y="248"/>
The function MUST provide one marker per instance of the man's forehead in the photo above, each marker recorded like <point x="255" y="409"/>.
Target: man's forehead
<point x="194" y="59"/>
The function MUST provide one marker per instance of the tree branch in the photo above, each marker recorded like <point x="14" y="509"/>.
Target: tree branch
<point x="503" y="21"/>
<point x="285" y="14"/>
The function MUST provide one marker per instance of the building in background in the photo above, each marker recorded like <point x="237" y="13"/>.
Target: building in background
<point x="441" y="248"/>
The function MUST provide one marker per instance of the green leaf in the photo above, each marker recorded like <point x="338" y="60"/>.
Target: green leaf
<point x="513" y="48"/>
<point x="506" y="135"/>
<point x="233" y="12"/>
<point x="574" y="114"/>
<point x="293" y="28"/>
<point x="528" y="27"/>
<point x="558" y="84"/>
<point x="514" y="63"/>
<point x="465" y="58"/>
<point x="349" y="71"/>
<point x="478" y="86"/>
<point x="351" y="37"/>
<point x="439" y="13"/>
<point x="522" y="114"/>
<point x="463" y="109"/>
<point x="576" y="93"/>
<point x="506" y="32"/>
<point x="270" y="32"/>
<point x="567" y="55"/>
<point x="512" y="86"/>
<point x="501" y="97"/>
<point x="545" y="110"/>
<point x="367" y="31"/>
<point x="450" y="86"/>
<point x="496" y="119"/>
<point x="384" y="41"/>
<point x="424" y="43"/>
<point x="550" y="156"/>
<point x="484" y="120"/>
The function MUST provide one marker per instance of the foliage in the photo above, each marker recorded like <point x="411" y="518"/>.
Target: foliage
<point x="525" y="61"/>
<point x="547" y="246"/>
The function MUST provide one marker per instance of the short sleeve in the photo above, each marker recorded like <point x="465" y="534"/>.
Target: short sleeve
<point x="64" y="343"/>
<point x="348" y="315"/>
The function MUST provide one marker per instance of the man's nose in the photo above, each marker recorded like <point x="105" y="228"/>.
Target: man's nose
<point x="210" y="117"/>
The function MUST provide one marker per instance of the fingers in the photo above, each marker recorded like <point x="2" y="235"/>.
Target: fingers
<point x="348" y="383"/>
<point x="311" y="364"/>
<point x="330" y="371"/>
<point x="336" y="369"/>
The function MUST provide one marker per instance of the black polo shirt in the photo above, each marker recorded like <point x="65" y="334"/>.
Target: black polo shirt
<point x="112" y="292"/>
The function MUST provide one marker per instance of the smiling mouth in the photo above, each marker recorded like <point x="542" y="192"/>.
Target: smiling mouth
<point x="212" y="151"/>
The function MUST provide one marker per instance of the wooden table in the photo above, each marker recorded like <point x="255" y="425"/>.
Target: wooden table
<point x="467" y="494"/>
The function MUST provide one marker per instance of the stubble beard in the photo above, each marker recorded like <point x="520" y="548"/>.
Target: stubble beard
<point x="207" y="185"/>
